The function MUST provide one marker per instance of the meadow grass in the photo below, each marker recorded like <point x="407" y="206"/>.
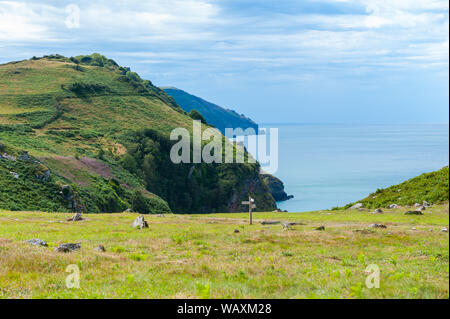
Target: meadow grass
<point x="201" y="256"/>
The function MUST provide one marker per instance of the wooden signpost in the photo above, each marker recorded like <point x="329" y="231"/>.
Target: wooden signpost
<point x="251" y="205"/>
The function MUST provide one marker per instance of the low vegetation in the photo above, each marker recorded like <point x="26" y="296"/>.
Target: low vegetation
<point x="221" y="256"/>
<point x="81" y="117"/>
<point x="431" y="187"/>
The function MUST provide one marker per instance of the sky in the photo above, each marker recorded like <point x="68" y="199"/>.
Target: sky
<point x="311" y="61"/>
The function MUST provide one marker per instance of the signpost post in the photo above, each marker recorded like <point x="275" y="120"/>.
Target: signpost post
<point x="251" y="205"/>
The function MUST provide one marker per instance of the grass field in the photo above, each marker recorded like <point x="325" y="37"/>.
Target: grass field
<point x="201" y="256"/>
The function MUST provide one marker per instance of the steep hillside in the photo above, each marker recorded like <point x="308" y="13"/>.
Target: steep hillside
<point x="102" y="133"/>
<point x="431" y="187"/>
<point x="215" y="115"/>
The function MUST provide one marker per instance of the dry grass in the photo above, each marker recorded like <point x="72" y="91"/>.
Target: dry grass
<point x="197" y="256"/>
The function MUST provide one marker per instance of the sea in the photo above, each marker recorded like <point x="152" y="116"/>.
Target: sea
<point x="329" y="165"/>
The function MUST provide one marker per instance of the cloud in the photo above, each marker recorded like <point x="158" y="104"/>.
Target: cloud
<point x="212" y="36"/>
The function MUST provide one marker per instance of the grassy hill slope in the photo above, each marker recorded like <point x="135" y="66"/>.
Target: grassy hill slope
<point x="201" y="256"/>
<point x="81" y="118"/>
<point x="215" y="115"/>
<point x="431" y="187"/>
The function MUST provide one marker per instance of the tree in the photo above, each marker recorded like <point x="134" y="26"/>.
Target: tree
<point x="139" y="203"/>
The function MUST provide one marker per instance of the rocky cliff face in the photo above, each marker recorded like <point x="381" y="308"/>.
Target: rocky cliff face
<point x="257" y="189"/>
<point x="276" y="187"/>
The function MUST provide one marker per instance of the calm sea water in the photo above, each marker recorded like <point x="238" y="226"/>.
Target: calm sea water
<point x="331" y="165"/>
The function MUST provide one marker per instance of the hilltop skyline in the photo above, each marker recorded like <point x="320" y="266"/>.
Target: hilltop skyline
<point x="316" y="61"/>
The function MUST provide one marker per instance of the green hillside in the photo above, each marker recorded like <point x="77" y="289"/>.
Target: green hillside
<point x="431" y="187"/>
<point x="215" y="115"/>
<point x="102" y="132"/>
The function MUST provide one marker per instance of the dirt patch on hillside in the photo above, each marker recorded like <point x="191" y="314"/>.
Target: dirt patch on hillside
<point x="80" y="170"/>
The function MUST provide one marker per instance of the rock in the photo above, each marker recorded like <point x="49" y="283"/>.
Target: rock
<point x="270" y="222"/>
<point x="42" y="173"/>
<point x="37" y="242"/>
<point x="425" y="204"/>
<point x="140" y="222"/>
<point x="377" y="211"/>
<point x="15" y="175"/>
<point x="128" y="210"/>
<point x="66" y="248"/>
<point x="25" y="156"/>
<point x="414" y="212"/>
<point x="160" y="215"/>
<point x="8" y="157"/>
<point x="444" y="230"/>
<point x="414" y="228"/>
<point x="320" y="228"/>
<point x="417" y="205"/>
<point x="75" y="218"/>
<point x="286" y="226"/>
<point x="236" y="231"/>
<point x="100" y="248"/>
<point x="393" y="206"/>
<point x="356" y="206"/>
<point x="422" y="208"/>
<point x="377" y="226"/>
<point x="285" y="211"/>
<point x="276" y="187"/>
<point x="71" y="197"/>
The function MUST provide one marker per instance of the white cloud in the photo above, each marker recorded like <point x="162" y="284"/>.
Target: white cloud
<point x="396" y="34"/>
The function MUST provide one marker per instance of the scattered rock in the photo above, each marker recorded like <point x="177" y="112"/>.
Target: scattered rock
<point x="414" y="228"/>
<point x="77" y="217"/>
<point x="417" y="205"/>
<point x="270" y="222"/>
<point x="66" y="248"/>
<point x="8" y="157"/>
<point x="236" y="231"/>
<point x="288" y="225"/>
<point x="393" y="206"/>
<point x="160" y="215"/>
<point x="320" y="228"/>
<point x="425" y="204"/>
<point x="100" y="248"/>
<point x="37" y="242"/>
<point x="377" y="226"/>
<point x="377" y="211"/>
<point x="444" y="230"/>
<point x="356" y="206"/>
<point x="140" y="222"/>
<point x="128" y="210"/>
<point x="414" y="212"/>
<point x="422" y="208"/>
